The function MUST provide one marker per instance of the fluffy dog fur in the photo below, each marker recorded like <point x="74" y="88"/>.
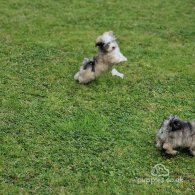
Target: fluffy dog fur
<point x="108" y="55"/>
<point x="175" y="133"/>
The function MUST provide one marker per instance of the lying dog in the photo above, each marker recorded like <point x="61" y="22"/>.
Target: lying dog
<point x="108" y="55"/>
<point x="175" y="133"/>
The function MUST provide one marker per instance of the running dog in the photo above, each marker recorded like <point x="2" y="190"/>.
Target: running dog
<point x="176" y="133"/>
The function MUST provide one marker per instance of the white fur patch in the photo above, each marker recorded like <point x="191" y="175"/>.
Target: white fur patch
<point x="106" y="37"/>
<point x="116" y="73"/>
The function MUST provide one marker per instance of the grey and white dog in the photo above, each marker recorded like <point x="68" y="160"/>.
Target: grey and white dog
<point x="175" y="133"/>
<point x="108" y="55"/>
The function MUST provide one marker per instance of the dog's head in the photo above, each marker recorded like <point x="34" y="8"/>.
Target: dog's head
<point x="106" y="42"/>
<point x="172" y="123"/>
<point x="176" y="124"/>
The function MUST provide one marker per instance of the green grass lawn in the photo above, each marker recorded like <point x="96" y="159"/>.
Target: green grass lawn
<point x="59" y="137"/>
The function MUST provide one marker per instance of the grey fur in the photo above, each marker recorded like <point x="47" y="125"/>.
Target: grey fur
<point x="175" y="133"/>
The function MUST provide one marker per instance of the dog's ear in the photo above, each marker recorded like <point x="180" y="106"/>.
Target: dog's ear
<point x="99" y="42"/>
<point x="110" y="33"/>
<point x="176" y="125"/>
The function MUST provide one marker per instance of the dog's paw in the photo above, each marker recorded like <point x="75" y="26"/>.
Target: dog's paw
<point x="125" y="59"/>
<point x="192" y="152"/>
<point x="172" y="152"/>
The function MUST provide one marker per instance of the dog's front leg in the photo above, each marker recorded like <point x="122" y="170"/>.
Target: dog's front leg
<point x="159" y="144"/>
<point x="169" y="149"/>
